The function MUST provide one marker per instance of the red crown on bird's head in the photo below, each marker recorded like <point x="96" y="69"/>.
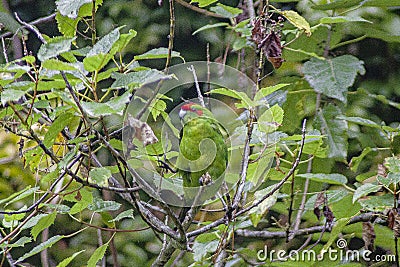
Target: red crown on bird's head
<point x="189" y="107"/>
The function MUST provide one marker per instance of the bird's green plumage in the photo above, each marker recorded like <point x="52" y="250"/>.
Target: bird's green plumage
<point x="203" y="144"/>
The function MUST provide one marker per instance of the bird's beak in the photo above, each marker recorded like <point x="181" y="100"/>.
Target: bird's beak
<point x="182" y="113"/>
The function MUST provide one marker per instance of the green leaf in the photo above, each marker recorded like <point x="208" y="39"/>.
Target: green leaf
<point x="211" y="26"/>
<point x="104" y="45"/>
<point x="11" y="95"/>
<point x="391" y="178"/>
<point x="336" y="230"/>
<point x="99" y="55"/>
<point x="203" y="3"/>
<point x="246" y="102"/>
<point x="55" y="64"/>
<point x="393" y="164"/>
<point x="100" y="205"/>
<point x="332" y="77"/>
<point x="381" y="3"/>
<point x="331" y="178"/>
<point x="360" y="121"/>
<point x="137" y="79"/>
<point x="298" y="21"/>
<point x="271" y="119"/>
<point x="156" y="53"/>
<point x="337" y="4"/>
<point x="100" y="176"/>
<point x="56" y="127"/>
<point x="47" y="244"/>
<point x="68" y="260"/>
<point x="66" y="25"/>
<point x="258" y="212"/>
<point x="9" y="22"/>
<point x="97" y="255"/>
<point x="19" y="243"/>
<point x="263" y="92"/>
<point x="342" y="19"/>
<point x="364" y="190"/>
<point x="335" y="131"/>
<point x="226" y="11"/>
<point x="83" y="199"/>
<point x="123" y="215"/>
<point x="377" y="203"/>
<point x="54" y="47"/>
<point x="124" y="40"/>
<point x="19" y="195"/>
<point x="355" y="161"/>
<point x="43" y="223"/>
<point x="70" y="8"/>
<point x="115" y="106"/>
<point x="332" y="196"/>
<point x="204" y="243"/>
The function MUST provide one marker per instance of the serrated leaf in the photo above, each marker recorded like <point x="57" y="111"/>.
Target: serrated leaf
<point x="381" y="3"/>
<point x="100" y="176"/>
<point x="70" y="8"/>
<point x="355" y="161"/>
<point x="47" y="244"/>
<point x="114" y="106"/>
<point x="19" y="243"/>
<point x="364" y="190"/>
<point x="100" y="205"/>
<point x="246" y="102"/>
<point x="342" y="19"/>
<point x="137" y="79"/>
<point x="97" y="255"/>
<point x="271" y="119"/>
<point x="11" y="95"/>
<point x="68" y="260"/>
<point x="393" y="164"/>
<point x="298" y="21"/>
<point x="55" y="64"/>
<point x="330" y="178"/>
<point x="335" y="131"/>
<point x="226" y="11"/>
<point x="337" y="4"/>
<point x="32" y="221"/>
<point x="43" y="223"/>
<point x="104" y="45"/>
<point x="332" y="77"/>
<point x="211" y="26"/>
<point x="156" y="53"/>
<point x="66" y="25"/>
<point x="203" y="3"/>
<point x="56" y="127"/>
<point x="123" y="215"/>
<point x="391" y="178"/>
<point x="54" y="47"/>
<point x="360" y="121"/>
<point x="332" y="196"/>
<point x="265" y="91"/>
<point x="19" y="195"/>
<point x="258" y="212"/>
<point x="124" y="40"/>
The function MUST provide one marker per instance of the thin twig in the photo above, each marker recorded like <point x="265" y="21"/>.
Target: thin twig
<point x="197" y="9"/>
<point x="196" y="83"/>
<point x="34" y="22"/>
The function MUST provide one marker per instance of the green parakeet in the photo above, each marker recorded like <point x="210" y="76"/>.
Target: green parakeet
<point x="203" y="152"/>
